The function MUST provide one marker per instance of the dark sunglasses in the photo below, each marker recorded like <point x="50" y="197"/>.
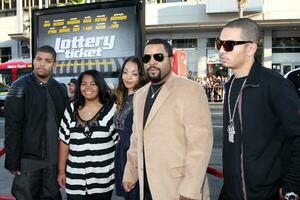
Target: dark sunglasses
<point x="228" y="45"/>
<point x="159" y="57"/>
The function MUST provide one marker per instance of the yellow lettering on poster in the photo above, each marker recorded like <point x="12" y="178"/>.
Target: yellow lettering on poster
<point x="60" y="23"/>
<point x="64" y="30"/>
<point x="76" y="29"/>
<point x="52" y="31"/>
<point x="87" y="28"/>
<point x="87" y="20"/>
<point x="72" y="22"/>
<point x="83" y="64"/>
<point x="47" y="25"/>
<point x="100" y="19"/>
<point x="118" y="18"/>
<point x="100" y="27"/>
<point x="114" y="26"/>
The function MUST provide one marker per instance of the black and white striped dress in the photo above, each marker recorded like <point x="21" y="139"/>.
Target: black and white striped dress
<point x="90" y="165"/>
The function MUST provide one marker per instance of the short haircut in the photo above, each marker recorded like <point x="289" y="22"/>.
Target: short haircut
<point x="250" y="29"/>
<point x="168" y="47"/>
<point x="47" y="49"/>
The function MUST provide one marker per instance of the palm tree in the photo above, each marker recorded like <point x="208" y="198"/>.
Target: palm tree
<point x="241" y="6"/>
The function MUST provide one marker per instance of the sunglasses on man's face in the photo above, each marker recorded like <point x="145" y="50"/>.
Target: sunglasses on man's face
<point x="159" y="57"/>
<point x="228" y="45"/>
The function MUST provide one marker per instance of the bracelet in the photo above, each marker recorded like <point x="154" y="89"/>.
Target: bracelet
<point x="63" y="173"/>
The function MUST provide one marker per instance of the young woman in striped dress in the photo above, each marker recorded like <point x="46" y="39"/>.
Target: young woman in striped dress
<point x="87" y="141"/>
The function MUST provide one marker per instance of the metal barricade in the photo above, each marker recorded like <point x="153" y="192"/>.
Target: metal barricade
<point x="2" y="152"/>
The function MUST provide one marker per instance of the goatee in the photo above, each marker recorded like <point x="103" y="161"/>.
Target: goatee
<point x="154" y="79"/>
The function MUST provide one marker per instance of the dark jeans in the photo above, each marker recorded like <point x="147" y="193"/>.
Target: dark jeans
<point x="37" y="185"/>
<point x="103" y="196"/>
<point x="147" y="192"/>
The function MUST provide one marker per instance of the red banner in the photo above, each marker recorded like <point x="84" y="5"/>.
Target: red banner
<point x="15" y="65"/>
<point x="179" y="63"/>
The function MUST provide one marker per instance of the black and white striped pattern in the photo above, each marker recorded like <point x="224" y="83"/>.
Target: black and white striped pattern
<point x="90" y="165"/>
<point x="71" y="67"/>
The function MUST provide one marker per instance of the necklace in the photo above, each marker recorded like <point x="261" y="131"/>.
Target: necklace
<point x="230" y="128"/>
<point x="154" y="93"/>
<point x="92" y="109"/>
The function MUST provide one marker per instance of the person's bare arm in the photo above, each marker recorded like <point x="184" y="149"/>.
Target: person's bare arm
<point x="62" y="160"/>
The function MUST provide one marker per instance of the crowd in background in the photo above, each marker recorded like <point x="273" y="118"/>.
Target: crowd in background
<point x="213" y="86"/>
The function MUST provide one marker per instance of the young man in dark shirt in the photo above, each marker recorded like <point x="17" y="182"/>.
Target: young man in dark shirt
<point x="261" y="120"/>
<point x="33" y="109"/>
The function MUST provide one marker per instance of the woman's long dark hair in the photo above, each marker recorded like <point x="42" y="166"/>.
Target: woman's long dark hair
<point x="105" y="94"/>
<point x="121" y="90"/>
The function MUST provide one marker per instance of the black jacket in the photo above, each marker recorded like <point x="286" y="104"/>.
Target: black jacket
<point x="269" y="113"/>
<point x="25" y="118"/>
<point x="294" y="76"/>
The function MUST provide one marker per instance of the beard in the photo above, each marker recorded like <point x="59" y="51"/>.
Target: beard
<point x="154" y="78"/>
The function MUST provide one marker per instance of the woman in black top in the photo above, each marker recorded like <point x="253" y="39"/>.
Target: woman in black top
<point x="131" y="78"/>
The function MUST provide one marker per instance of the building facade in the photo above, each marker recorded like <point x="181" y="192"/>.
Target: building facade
<point x="190" y="25"/>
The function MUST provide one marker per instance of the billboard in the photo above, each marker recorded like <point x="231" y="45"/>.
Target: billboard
<point x="91" y="36"/>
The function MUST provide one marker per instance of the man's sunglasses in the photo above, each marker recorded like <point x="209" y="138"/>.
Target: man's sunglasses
<point x="228" y="45"/>
<point x="159" y="57"/>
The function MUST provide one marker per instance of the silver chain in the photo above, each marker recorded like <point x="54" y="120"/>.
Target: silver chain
<point x="154" y="93"/>
<point x="231" y="117"/>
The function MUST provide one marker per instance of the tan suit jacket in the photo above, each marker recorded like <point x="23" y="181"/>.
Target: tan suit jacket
<point x="176" y="140"/>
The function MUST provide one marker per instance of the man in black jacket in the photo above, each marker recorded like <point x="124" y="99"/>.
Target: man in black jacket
<point x="261" y="134"/>
<point x="294" y="76"/>
<point x="33" y="109"/>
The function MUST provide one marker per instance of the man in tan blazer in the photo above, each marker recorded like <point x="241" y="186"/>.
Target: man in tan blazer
<point x="172" y="136"/>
